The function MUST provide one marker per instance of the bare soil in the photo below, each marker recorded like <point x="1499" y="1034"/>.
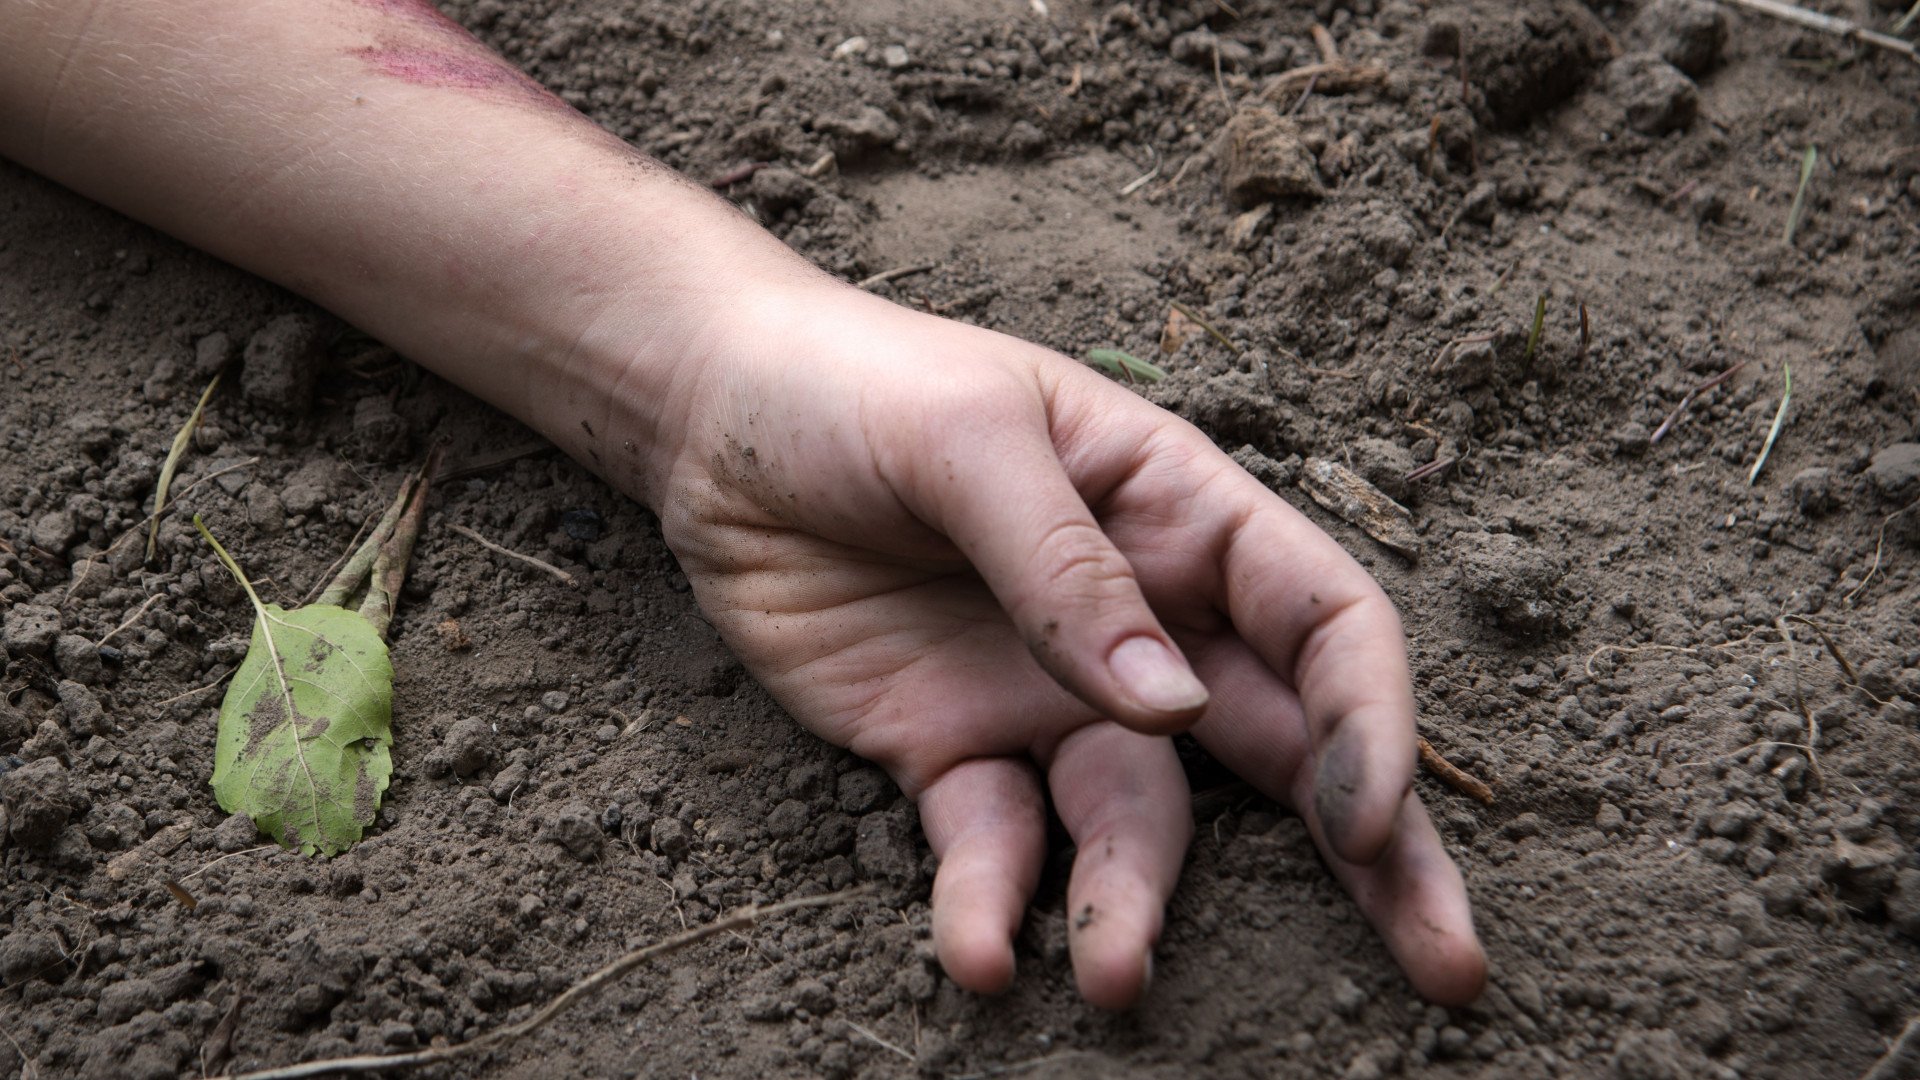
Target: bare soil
<point x="1695" y="697"/>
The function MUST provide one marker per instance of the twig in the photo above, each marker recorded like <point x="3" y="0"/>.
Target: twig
<point x="1879" y="545"/>
<point x="1144" y="179"/>
<point x="1830" y="24"/>
<point x="1428" y="469"/>
<point x="574" y="994"/>
<point x="895" y="274"/>
<point x="1205" y="325"/>
<point x="565" y="578"/>
<point x="1853" y="678"/>
<point x="880" y="1042"/>
<point x="174" y="454"/>
<point x="1779" y="418"/>
<point x="130" y="620"/>
<point x="1698" y="389"/>
<point x="1456" y="778"/>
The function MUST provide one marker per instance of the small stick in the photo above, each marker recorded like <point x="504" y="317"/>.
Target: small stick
<point x="1898" y="28"/>
<point x="895" y="274"/>
<point x="1428" y="469"/>
<point x="565" y="578"/>
<point x="579" y="991"/>
<point x="1205" y="325"/>
<point x="1456" y="778"/>
<point x="1698" y="389"/>
<point x="1830" y="24"/>
<point x="1827" y="640"/>
<point x="1779" y="417"/>
<point x="130" y="620"/>
<point x="174" y="454"/>
<point x="1143" y="180"/>
<point x="1322" y="40"/>
<point x="1807" y="162"/>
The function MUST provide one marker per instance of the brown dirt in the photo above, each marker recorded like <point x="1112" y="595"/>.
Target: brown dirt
<point x="1667" y="885"/>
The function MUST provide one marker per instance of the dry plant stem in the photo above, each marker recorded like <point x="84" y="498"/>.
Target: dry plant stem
<point x="880" y="1042"/>
<point x="1688" y="399"/>
<point x="1800" y="699"/>
<point x="390" y="565"/>
<point x="1207" y="326"/>
<point x="167" y="468"/>
<point x="1779" y="417"/>
<point x="129" y="620"/>
<point x="1453" y="776"/>
<point x="895" y="274"/>
<point x="572" y="996"/>
<point x="1807" y="162"/>
<point x="541" y="564"/>
<point x="1814" y="20"/>
<point x="27" y="1069"/>
<point x="360" y="567"/>
<point x="1827" y="640"/>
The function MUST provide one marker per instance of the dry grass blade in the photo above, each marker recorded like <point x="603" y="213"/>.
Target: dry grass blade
<point x="1807" y="162"/>
<point x="1907" y="19"/>
<point x="1700" y="388"/>
<point x="167" y="468"/>
<point x="1879" y="548"/>
<point x="1779" y="418"/>
<point x="572" y="996"/>
<point x="1830" y="24"/>
<point x="540" y="564"/>
<point x="1212" y="332"/>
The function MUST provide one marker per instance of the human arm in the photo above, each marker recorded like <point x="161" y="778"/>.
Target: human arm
<point x="959" y="554"/>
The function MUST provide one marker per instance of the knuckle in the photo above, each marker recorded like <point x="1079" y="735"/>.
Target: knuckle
<point x="1076" y="562"/>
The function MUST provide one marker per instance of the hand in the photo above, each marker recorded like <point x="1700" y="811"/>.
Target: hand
<point x="974" y="562"/>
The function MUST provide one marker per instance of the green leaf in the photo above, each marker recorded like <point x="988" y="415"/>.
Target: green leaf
<point x="1115" y="362"/>
<point x="305" y="728"/>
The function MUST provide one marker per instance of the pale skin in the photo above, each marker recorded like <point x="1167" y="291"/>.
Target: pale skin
<point x="990" y="570"/>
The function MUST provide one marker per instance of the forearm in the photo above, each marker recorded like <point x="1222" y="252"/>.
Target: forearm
<point x="372" y="156"/>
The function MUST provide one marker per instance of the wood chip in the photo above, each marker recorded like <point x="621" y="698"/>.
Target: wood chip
<point x="1357" y="502"/>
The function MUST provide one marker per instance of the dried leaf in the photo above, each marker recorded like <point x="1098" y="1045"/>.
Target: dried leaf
<point x="1175" y="334"/>
<point x="1337" y="488"/>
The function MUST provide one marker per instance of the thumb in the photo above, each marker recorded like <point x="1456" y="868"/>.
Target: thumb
<point x="1072" y="595"/>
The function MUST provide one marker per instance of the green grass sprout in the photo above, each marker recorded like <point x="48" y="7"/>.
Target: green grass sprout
<point x="1779" y="418"/>
<point x="1539" y="325"/>
<point x="1125" y="365"/>
<point x="1807" y="162"/>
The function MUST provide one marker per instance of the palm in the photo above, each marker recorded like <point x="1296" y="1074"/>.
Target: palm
<point x="919" y="564"/>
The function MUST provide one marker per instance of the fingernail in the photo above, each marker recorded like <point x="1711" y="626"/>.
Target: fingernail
<point x="1154" y="676"/>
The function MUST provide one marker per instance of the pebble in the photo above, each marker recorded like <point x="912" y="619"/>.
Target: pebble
<point x="282" y="361"/>
<point x="210" y="354"/>
<point x="509" y="780"/>
<point x="1812" y="490"/>
<point x="787" y="819"/>
<point x="468" y="746"/>
<point x="1657" y="96"/>
<point x="1688" y="34"/>
<point x="1348" y="999"/>
<point x="895" y="57"/>
<point x="83" y="712"/>
<point x="55" y="532"/>
<point x="556" y="701"/>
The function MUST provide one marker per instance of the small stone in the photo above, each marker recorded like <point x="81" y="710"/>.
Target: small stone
<point x="210" y="354"/>
<point x="508" y="781"/>
<point x="378" y="433"/>
<point x="1734" y="819"/>
<point x="237" y="833"/>
<point x="895" y="57"/>
<point x="77" y="658"/>
<point x="1895" y="471"/>
<point x="1267" y="158"/>
<point x="1608" y="819"/>
<point x="1518" y="582"/>
<point x="555" y="701"/>
<point x="468" y="746"/>
<point x="670" y="838"/>
<point x="576" y="828"/>
<point x="30" y="954"/>
<point x="1688" y="34"/>
<point x="29" y="630"/>
<point x="1657" y="96"/>
<point x="265" y="512"/>
<point x="868" y="130"/>
<point x="1347" y="997"/>
<point x="863" y="789"/>
<point x="282" y="361"/>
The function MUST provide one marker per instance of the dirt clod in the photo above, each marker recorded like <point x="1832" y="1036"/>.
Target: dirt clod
<point x="282" y="361"/>
<point x="1688" y="34"/>
<point x="1265" y="158"/>
<point x="1657" y="96"/>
